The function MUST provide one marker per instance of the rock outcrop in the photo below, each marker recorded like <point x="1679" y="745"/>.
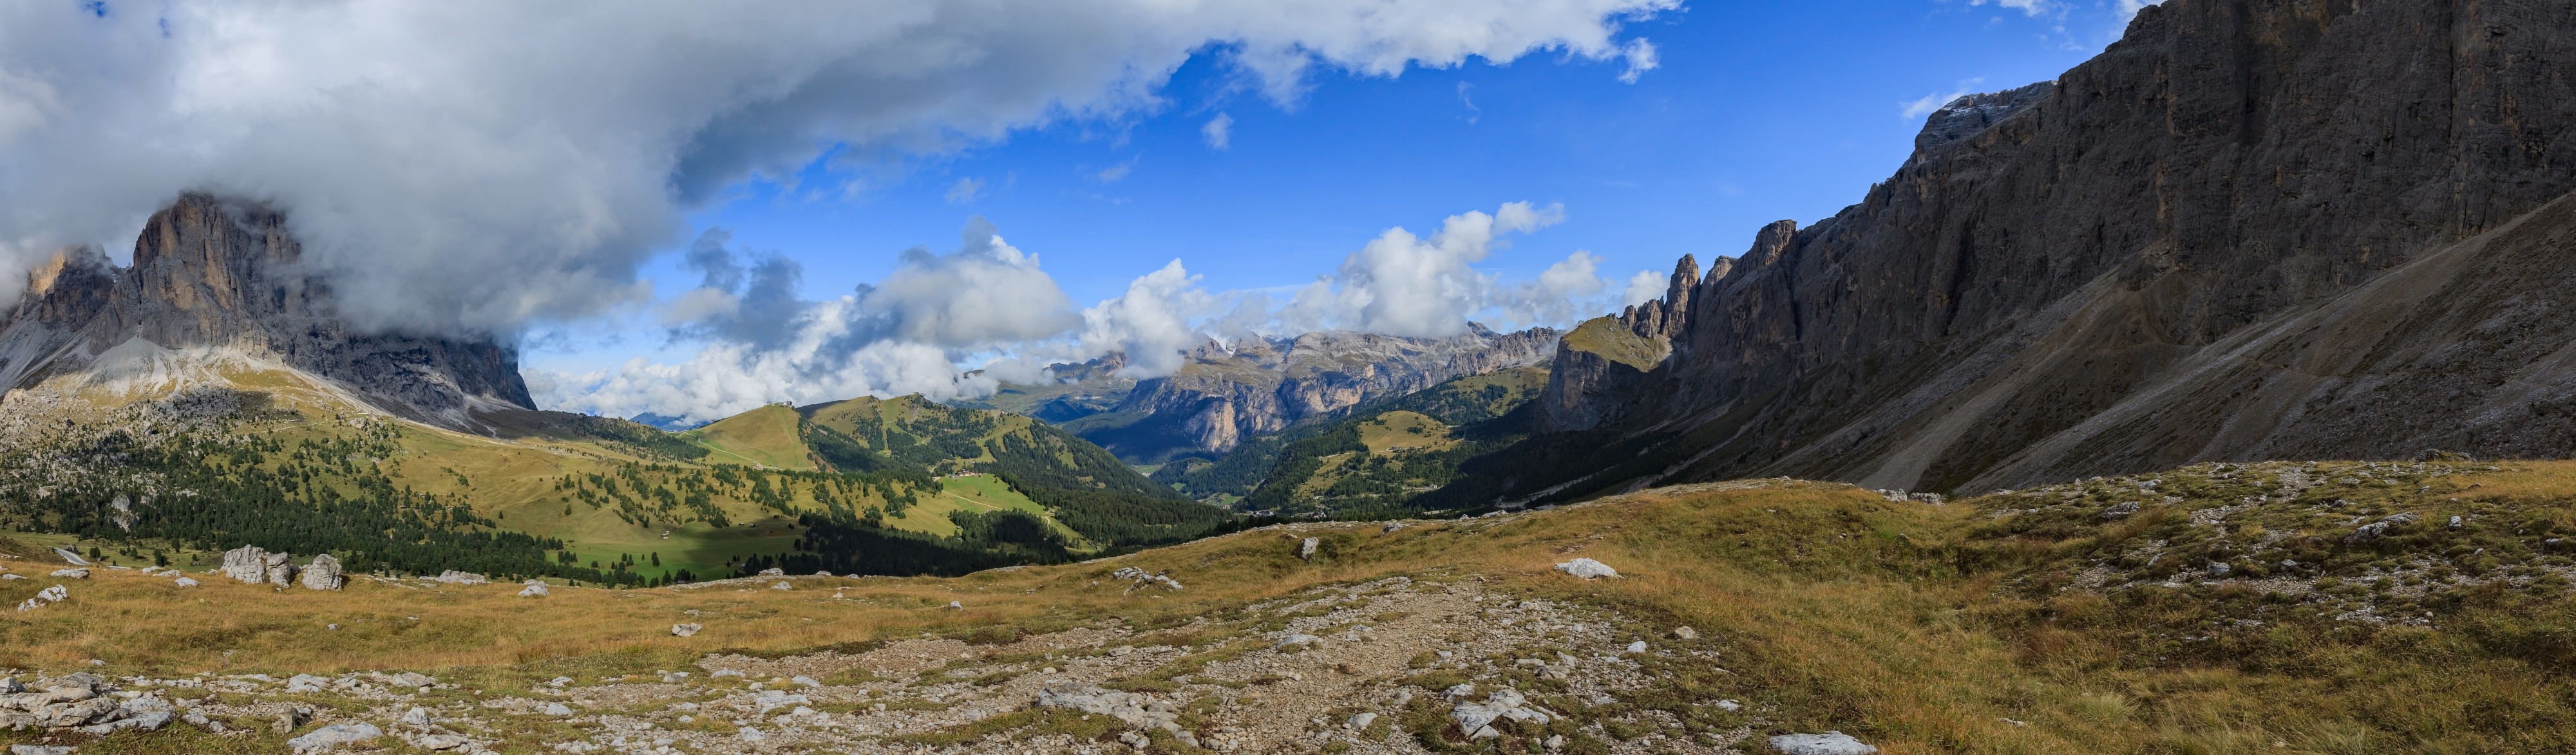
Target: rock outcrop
<point x="2249" y="229"/>
<point x="324" y="574"/>
<point x="1226" y="393"/>
<point x="252" y="564"/>
<point x="217" y="284"/>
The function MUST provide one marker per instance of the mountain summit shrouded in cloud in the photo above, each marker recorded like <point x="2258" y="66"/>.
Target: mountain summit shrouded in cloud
<point x="478" y="166"/>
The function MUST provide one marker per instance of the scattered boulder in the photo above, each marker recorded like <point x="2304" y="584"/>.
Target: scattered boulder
<point x="45" y="597"/>
<point x="1828" y="743"/>
<point x="331" y="737"/>
<point x="685" y="630"/>
<point x="773" y="572"/>
<point x="1306" y="548"/>
<point x="956" y="606"/>
<point x="72" y="573"/>
<point x="407" y="679"/>
<point x="782" y="586"/>
<point x="251" y="564"/>
<point x="1299" y="641"/>
<point x="1637" y="647"/>
<point x="1392" y="526"/>
<point x="1587" y="569"/>
<point x="305" y="683"/>
<point x="1685" y="633"/>
<point x="417" y="716"/>
<point x="455" y="577"/>
<point x="1137" y="711"/>
<point x="1359" y="721"/>
<point x="70" y="557"/>
<point x="2121" y="511"/>
<point x="324" y="574"/>
<point x="2376" y="530"/>
<point x="185" y="582"/>
<point x="1139" y="578"/>
<point x="534" y="588"/>
<point x="1504" y="704"/>
<point x="40" y="750"/>
<point x="558" y="709"/>
<point x="1729" y="706"/>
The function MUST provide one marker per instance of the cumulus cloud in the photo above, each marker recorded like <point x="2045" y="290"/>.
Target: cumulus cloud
<point x="1406" y="285"/>
<point x="475" y="165"/>
<point x="1219" y="131"/>
<point x="1645" y="286"/>
<point x="903" y="334"/>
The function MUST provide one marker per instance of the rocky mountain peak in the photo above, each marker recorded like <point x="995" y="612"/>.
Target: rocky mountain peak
<point x="217" y="281"/>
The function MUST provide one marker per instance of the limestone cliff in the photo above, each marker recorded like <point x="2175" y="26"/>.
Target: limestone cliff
<point x="2139" y="264"/>
<point x="215" y="284"/>
<point x="1228" y="392"/>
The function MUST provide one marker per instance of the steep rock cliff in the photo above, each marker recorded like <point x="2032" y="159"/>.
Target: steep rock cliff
<point x="1228" y="392"/>
<point x="2052" y="256"/>
<point x="215" y="284"/>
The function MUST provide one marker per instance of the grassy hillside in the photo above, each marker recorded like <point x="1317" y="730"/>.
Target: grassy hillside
<point x="769" y="436"/>
<point x="566" y="496"/>
<point x="1412" y="444"/>
<point x="1606" y="337"/>
<point x="2026" y="622"/>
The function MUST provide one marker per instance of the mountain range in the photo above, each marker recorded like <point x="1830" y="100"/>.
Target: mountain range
<point x="1227" y="393"/>
<point x="2247" y="230"/>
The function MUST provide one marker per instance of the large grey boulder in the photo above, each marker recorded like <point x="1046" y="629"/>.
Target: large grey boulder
<point x="324" y="574"/>
<point x="251" y="564"/>
<point x="333" y="736"/>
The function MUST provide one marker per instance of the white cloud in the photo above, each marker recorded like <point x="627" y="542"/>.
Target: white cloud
<point x="1931" y="103"/>
<point x="1112" y="173"/>
<point x="1639" y="54"/>
<point x="904" y="334"/>
<point x="1645" y="286"/>
<point x="965" y="190"/>
<point x="2032" y="8"/>
<point x="1405" y="285"/>
<point x="481" y="164"/>
<point x="1219" y="131"/>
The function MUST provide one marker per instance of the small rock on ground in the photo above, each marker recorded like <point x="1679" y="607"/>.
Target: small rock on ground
<point x="1828" y="743"/>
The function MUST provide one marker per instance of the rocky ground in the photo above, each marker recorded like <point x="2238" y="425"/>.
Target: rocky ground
<point x="1379" y="667"/>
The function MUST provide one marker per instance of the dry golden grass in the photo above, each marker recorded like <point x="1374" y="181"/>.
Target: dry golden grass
<point x="1842" y="609"/>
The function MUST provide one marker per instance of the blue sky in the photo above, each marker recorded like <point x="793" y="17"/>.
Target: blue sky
<point x="1756" y="112"/>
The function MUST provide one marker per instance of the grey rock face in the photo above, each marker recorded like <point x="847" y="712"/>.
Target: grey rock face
<point x="218" y="274"/>
<point x="1828" y="743"/>
<point x="324" y="574"/>
<point x="2214" y="241"/>
<point x="255" y="565"/>
<point x="1223" y="394"/>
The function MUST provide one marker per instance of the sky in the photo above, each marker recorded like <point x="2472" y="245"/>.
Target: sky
<point x="676" y="209"/>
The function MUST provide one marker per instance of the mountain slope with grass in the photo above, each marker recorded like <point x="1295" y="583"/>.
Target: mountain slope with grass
<point x="2302" y="608"/>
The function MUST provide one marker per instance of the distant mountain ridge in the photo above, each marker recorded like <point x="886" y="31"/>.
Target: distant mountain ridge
<point x="214" y="282"/>
<point x="1228" y="392"/>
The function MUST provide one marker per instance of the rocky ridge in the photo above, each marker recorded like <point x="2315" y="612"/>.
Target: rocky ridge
<point x="2249" y="229"/>
<point x="1228" y="392"/>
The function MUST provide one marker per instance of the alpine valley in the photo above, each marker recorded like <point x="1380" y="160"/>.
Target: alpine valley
<point x="2215" y="396"/>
